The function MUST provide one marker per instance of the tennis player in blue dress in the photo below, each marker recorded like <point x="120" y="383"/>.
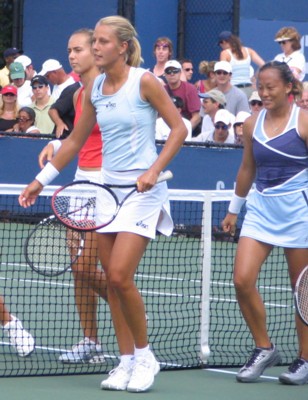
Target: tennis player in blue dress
<point x="125" y="101"/>
<point x="275" y="158"/>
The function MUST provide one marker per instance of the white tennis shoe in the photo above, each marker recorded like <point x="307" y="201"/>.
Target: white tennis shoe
<point x="86" y="351"/>
<point x="297" y="373"/>
<point x="21" y="339"/>
<point x="144" y="370"/>
<point x="118" y="378"/>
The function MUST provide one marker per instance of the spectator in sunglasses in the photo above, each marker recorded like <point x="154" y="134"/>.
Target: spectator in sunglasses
<point x="222" y="132"/>
<point x="42" y="103"/>
<point x="236" y="99"/>
<point x="8" y="108"/>
<point x="289" y="40"/>
<point x="206" y="68"/>
<point x="25" y="121"/>
<point x="187" y="69"/>
<point x="255" y="102"/>
<point x="187" y="91"/>
<point x="238" y="126"/>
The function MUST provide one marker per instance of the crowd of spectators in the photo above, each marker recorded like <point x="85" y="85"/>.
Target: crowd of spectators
<point x="229" y="84"/>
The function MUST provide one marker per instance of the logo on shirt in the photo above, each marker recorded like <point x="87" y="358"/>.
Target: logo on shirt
<point x="110" y="105"/>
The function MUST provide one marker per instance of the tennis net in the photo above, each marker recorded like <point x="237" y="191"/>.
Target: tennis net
<point x="186" y="282"/>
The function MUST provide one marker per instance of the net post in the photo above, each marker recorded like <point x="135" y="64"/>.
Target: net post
<point x="206" y="238"/>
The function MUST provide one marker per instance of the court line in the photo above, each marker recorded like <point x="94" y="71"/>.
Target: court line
<point x="223" y="371"/>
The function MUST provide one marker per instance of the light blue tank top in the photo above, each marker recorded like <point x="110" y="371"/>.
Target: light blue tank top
<point x="240" y="69"/>
<point x="282" y="161"/>
<point x="127" y="124"/>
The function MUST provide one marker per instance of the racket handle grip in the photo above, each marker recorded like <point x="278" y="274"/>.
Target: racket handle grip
<point x="165" y="176"/>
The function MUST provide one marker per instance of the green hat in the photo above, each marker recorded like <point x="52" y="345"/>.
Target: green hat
<point x="17" y="71"/>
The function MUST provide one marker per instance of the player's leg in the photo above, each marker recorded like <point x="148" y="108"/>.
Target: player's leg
<point x="297" y="373"/>
<point x="127" y="307"/>
<point x="250" y="256"/>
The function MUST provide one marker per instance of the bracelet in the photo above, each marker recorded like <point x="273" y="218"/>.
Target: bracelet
<point x="47" y="175"/>
<point x="56" y="145"/>
<point x="236" y="204"/>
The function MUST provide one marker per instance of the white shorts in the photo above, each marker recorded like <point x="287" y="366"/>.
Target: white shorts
<point x="142" y="213"/>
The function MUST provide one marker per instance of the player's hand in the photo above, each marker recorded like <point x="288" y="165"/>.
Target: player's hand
<point x="28" y="196"/>
<point x="229" y="223"/>
<point x="146" y="181"/>
<point x="46" y="155"/>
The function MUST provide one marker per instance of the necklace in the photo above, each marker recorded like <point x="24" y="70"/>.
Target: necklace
<point x="282" y="124"/>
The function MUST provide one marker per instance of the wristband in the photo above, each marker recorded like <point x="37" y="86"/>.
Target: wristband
<point x="236" y="204"/>
<point x="47" y="175"/>
<point x="56" y="145"/>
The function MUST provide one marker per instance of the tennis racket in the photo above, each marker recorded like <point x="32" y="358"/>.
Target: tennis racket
<point x="301" y="295"/>
<point x="75" y="204"/>
<point x="51" y="248"/>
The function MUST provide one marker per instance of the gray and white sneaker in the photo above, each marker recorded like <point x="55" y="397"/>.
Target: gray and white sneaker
<point x="144" y="371"/>
<point x="118" y="378"/>
<point x="20" y="339"/>
<point x="297" y="373"/>
<point x="86" y="351"/>
<point x="259" y="360"/>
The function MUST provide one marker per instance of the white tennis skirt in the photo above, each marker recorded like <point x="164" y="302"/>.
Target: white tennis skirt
<point x="82" y="175"/>
<point x="142" y="213"/>
<point x="278" y="220"/>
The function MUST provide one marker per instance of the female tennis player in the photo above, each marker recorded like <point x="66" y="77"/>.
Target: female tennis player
<point x="276" y="157"/>
<point x="125" y="101"/>
<point x="89" y="280"/>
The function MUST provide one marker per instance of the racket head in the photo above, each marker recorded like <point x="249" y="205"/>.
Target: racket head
<point x="51" y="248"/>
<point x="301" y="295"/>
<point x="75" y="205"/>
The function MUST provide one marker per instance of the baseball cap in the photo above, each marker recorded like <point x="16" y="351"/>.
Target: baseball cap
<point x="225" y="35"/>
<point x="222" y="116"/>
<point x="50" y="65"/>
<point x="223" y="66"/>
<point x="9" y="89"/>
<point x="177" y="101"/>
<point x="215" y="95"/>
<point x="12" y="51"/>
<point x="17" y="70"/>
<point x="24" y="60"/>
<point x="241" y="116"/>
<point x="254" y="96"/>
<point x="40" y="79"/>
<point x="172" y="64"/>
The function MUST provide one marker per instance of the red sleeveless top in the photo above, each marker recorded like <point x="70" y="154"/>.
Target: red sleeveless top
<point x="90" y="156"/>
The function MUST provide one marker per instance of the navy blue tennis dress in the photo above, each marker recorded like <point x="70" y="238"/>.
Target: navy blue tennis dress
<point x="277" y="211"/>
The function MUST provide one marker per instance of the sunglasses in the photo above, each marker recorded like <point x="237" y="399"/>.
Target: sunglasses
<point x="23" y="119"/>
<point x="37" y="87"/>
<point x="188" y="69"/>
<point x="172" y="71"/>
<point x="9" y="94"/>
<point x="221" y="126"/>
<point x="220" y="72"/>
<point x="284" y="41"/>
<point x="238" y="124"/>
<point x="162" y="45"/>
<point x="256" y="103"/>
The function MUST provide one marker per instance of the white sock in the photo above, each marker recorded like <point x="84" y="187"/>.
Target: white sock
<point x="142" y="352"/>
<point x="127" y="360"/>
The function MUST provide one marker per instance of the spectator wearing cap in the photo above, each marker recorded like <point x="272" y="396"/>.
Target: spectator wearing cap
<point x="255" y="102"/>
<point x="42" y="103"/>
<point x="238" y="126"/>
<point x="24" y="90"/>
<point x="240" y="58"/>
<point x="212" y="101"/>
<point x="222" y="134"/>
<point x="55" y="73"/>
<point x="289" y="40"/>
<point x="162" y="130"/>
<point x="187" y="91"/>
<point x="28" y="66"/>
<point x="8" y="108"/>
<point x="236" y="100"/>
<point x="26" y="121"/>
<point x="9" y="56"/>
